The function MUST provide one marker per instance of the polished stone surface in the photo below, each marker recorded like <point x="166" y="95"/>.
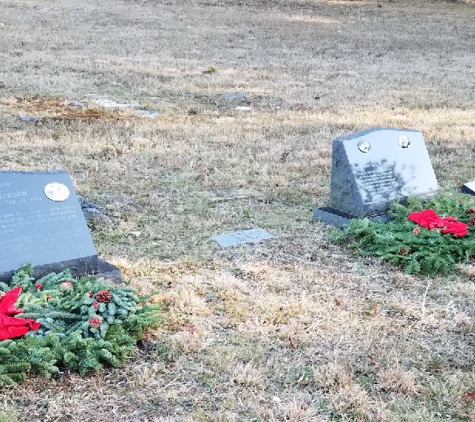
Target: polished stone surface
<point x="373" y="168"/>
<point x="50" y="234"/>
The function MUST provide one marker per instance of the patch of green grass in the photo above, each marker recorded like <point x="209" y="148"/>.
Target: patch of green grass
<point x="248" y="350"/>
<point x="10" y="415"/>
<point x="299" y="376"/>
<point x="209" y="381"/>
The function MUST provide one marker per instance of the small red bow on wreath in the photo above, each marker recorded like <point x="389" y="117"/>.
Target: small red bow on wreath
<point x="431" y="220"/>
<point x="11" y="327"/>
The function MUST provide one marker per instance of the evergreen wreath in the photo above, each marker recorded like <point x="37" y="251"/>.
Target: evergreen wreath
<point x="421" y="237"/>
<point x="77" y="324"/>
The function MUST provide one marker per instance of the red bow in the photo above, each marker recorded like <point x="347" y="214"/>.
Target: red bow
<point x="11" y="327"/>
<point x="431" y="220"/>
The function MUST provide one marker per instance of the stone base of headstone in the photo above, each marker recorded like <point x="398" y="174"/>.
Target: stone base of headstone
<point x="468" y="188"/>
<point x="339" y="219"/>
<point x="79" y="267"/>
<point x="109" y="272"/>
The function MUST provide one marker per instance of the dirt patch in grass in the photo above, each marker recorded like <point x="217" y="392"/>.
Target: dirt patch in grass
<point x="56" y="109"/>
<point x="289" y="329"/>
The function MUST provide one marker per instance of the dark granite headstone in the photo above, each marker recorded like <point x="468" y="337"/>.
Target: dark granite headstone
<point x="41" y="223"/>
<point x="373" y="168"/>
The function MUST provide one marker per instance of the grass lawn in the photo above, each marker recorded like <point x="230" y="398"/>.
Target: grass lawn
<point x="290" y="329"/>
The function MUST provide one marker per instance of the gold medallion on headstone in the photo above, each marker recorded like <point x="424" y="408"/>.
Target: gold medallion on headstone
<point x="57" y="192"/>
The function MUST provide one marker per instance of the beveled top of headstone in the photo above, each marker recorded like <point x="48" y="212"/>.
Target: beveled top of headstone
<point x="373" y="168"/>
<point x="41" y="222"/>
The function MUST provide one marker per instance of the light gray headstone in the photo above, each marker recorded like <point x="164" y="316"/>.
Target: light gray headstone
<point x="373" y="168"/>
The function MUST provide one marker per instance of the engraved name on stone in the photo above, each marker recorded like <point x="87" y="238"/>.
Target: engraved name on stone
<point x="8" y="195"/>
<point x="27" y="243"/>
<point x="378" y="181"/>
<point x="8" y="222"/>
<point x="241" y="237"/>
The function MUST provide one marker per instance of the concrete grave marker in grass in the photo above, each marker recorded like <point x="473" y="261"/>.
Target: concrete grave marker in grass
<point x="28" y="119"/>
<point x="41" y="222"/>
<point x="230" y="194"/>
<point x="239" y="238"/>
<point x="147" y="113"/>
<point x="114" y="105"/>
<point x="373" y="168"/>
<point x="233" y="96"/>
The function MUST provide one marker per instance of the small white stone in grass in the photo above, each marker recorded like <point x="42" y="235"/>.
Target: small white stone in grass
<point x="277" y="399"/>
<point x="246" y="108"/>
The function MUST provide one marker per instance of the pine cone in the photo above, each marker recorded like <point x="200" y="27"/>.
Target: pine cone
<point x="470" y="211"/>
<point x="403" y="251"/>
<point x="472" y="221"/>
<point x="66" y="285"/>
<point x="104" y="296"/>
<point x="95" y="322"/>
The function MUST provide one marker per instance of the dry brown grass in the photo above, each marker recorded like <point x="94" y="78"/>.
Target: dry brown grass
<point x="53" y="109"/>
<point x="291" y="329"/>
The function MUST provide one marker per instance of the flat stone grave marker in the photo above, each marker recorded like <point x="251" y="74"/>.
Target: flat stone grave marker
<point x="230" y="194"/>
<point x="41" y="222"/>
<point x="373" y="168"/>
<point x="232" y="96"/>
<point x="239" y="238"/>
